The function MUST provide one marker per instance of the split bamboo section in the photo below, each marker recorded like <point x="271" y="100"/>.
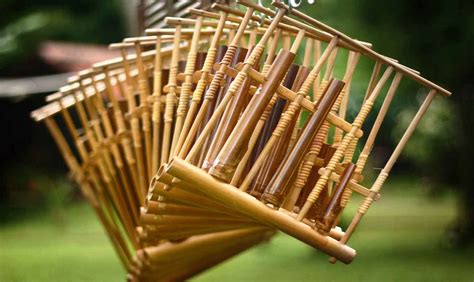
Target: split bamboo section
<point x="206" y="137"/>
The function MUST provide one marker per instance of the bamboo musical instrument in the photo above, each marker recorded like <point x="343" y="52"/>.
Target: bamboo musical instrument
<point x="206" y="137"/>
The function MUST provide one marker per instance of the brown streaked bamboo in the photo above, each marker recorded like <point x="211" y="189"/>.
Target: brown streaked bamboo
<point x="279" y="185"/>
<point x="232" y="117"/>
<point x="331" y="210"/>
<point x="321" y="136"/>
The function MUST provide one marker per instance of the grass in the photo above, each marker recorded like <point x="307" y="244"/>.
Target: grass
<point x="401" y="239"/>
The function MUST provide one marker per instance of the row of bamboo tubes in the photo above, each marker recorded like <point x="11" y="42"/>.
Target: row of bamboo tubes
<point x="206" y="137"/>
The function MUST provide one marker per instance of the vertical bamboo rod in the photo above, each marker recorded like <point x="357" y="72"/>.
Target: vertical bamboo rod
<point x="135" y="127"/>
<point x="171" y="97"/>
<point x="156" y="111"/>
<point x="144" y="90"/>
<point x="186" y="87"/>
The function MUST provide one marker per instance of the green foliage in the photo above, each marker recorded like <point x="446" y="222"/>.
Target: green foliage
<point x="20" y="39"/>
<point x="29" y="23"/>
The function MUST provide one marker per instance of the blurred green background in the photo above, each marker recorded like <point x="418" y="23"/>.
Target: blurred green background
<point x="421" y="230"/>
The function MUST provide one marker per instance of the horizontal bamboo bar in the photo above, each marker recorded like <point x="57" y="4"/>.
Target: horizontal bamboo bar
<point x="252" y="207"/>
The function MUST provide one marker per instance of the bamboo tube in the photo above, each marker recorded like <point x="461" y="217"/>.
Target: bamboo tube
<point x="232" y="150"/>
<point x="234" y="86"/>
<point x="167" y="251"/>
<point x="236" y="105"/>
<point x="192" y="222"/>
<point x="263" y="117"/>
<point x="190" y="195"/>
<point x="287" y="116"/>
<point x="202" y="83"/>
<point x="279" y="185"/>
<point x="161" y="208"/>
<point x="231" y="153"/>
<point x="294" y="78"/>
<point x="229" y="117"/>
<point x="215" y="248"/>
<point x="238" y="57"/>
<point x="253" y="208"/>
<point x="320" y="137"/>
<point x="357" y="124"/>
<point x="383" y="175"/>
<point x="213" y="88"/>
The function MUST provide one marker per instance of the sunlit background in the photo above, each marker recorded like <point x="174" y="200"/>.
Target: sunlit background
<point x="421" y="230"/>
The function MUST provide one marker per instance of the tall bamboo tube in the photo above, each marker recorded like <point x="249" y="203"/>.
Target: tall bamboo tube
<point x="236" y="83"/>
<point x="288" y="115"/>
<point x="214" y="86"/>
<point x="232" y="151"/>
<point x="280" y="183"/>
<point x="339" y="154"/>
<point x="203" y="81"/>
